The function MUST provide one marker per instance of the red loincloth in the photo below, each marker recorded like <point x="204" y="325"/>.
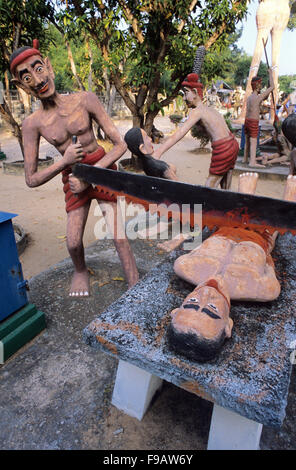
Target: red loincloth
<point x="238" y="235"/>
<point x="224" y="155"/>
<point x="251" y="127"/>
<point x="74" y="201"/>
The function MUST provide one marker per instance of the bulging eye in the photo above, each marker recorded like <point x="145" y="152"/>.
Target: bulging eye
<point x="39" y="69"/>
<point x="193" y="299"/>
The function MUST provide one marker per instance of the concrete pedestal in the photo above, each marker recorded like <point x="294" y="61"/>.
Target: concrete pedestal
<point x="134" y="389"/>
<point x="230" y="431"/>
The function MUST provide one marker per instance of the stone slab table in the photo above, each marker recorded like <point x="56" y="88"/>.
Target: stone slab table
<point x="248" y="383"/>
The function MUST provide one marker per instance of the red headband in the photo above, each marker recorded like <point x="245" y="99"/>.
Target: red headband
<point x="191" y="81"/>
<point x="254" y="81"/>
<point x="25" y="54"/>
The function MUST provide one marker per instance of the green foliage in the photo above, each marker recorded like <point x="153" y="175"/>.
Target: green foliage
<point x="176" y="118"/>
<point x="223" y="64"/>
<point x="242" y="67"/>
<point x="227" y="118"/>
<point x="57" y="54"/>
<point x="285" y="83"/>
<point x="292" y="21"/>
<point x="148" y="47"/>
<point x="199" y="132"/>
<point x="20" y="22"/>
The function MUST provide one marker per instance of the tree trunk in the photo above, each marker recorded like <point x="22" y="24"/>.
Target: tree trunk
<point x="150" y="116"/>
<point x="73" y="66"/>
<point x="8" y="117"/>
<point x="111" y="100"/>
<point x="26" y="100"/>
<point x="89" y="80"/>
<point x="138" y="120"/>
<point x="6" y="78"/>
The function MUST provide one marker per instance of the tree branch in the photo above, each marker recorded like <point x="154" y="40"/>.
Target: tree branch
<point x="124" y="93"/>
<point x="215" y="36"/>
<point x="173" y="95"/>
<point x="183" y="22"/>
<point x="8" y="117"/>
<point x="17" y="34"/>
<point x="155" y="83"/>
<point x="133" y="21"/>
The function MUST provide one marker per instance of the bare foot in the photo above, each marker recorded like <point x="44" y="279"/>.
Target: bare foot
<point x="256" y="165"/>
<point x="80" y="284"/>
<point x="247" y="183"/>
<point x="152" y="232"/>
<point x="172" y="244"/>
<point x="290" y="189"/>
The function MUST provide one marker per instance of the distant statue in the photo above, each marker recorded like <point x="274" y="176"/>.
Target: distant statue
<point x="272" y="17"/>
<point x="251" y="125"/>
<point x="289" y="104"/>
<point x="237" y="98"/>
<point x="213" y="98"/>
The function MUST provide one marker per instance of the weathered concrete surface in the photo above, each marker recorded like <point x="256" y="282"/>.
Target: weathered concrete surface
<point x="251" y="375"/>
<point x="55" y="393"/>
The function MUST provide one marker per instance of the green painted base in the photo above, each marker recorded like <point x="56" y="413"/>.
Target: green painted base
<point x="19" y="329"/>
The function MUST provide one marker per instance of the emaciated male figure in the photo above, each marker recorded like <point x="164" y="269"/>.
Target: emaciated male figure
<point x="224" y="145"/>
<point x="252" y="119"/>
<point x="140" y="144"/>
<point x="233" y="263"/>
<point x="58" y="120"/>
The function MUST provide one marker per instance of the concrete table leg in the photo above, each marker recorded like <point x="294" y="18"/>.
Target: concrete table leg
<point x="230" y="431"/>
<point x="134" y="389"/>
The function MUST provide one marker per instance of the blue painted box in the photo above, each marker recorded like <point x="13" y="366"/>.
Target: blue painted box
<point x="13" y="294"/>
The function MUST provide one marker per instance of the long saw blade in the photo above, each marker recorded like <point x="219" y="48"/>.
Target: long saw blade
<point x="219" y="207"/>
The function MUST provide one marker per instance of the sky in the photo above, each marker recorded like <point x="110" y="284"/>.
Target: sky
<point x="287" y="65"/>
